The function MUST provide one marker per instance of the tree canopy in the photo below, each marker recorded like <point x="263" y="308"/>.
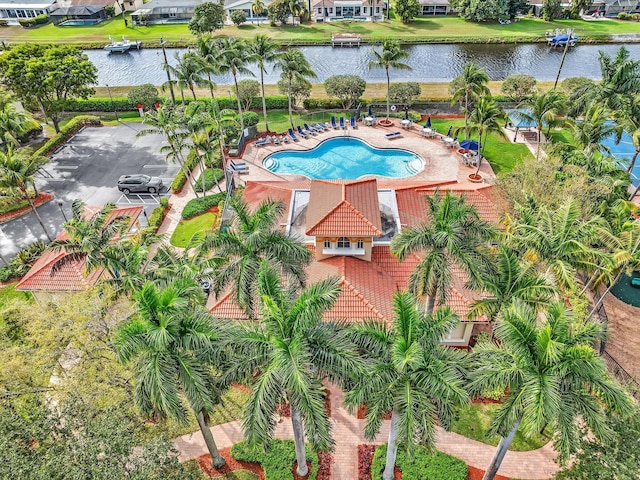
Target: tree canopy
<point x="207" y="17"/>
<point x="407" y="9"/>
<point x="346" y="88"/>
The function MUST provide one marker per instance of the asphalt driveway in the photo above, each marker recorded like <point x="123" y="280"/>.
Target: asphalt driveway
<point x="88" y="167"/>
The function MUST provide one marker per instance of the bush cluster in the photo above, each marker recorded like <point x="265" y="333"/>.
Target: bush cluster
<point x="189" y="164"/>
<point x="276" y="459"/>
<point x="322" y="103"/>
<point x="30" y="22"/>
<point x="250" y="118"/>
<point x="211" y="177"/>
<point x="200" y="205"/>
<point x="65" y="132"/>
<point x="436" y="466"/>
<point x="22" y="262"/>
<point x="629" y="16"/>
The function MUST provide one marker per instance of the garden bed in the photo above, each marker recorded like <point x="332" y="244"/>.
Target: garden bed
<point x="41" y="199"/>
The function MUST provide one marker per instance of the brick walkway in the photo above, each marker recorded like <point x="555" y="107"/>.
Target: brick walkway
<point x="348" y="433"/>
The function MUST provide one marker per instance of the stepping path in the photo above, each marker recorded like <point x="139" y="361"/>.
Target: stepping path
<point x="348" y="433"/>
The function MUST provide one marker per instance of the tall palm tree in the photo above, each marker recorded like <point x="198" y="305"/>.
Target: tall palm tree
<point x="188" y="72"/>
<point x="18" y="170"/>
<point x="412" y="376"/>
<point x="486" y="118"/>
<point x="206" y="50"/>
<point x="233" y="58"/>
<point x="258" y="7"/>
<point x="389" y="58"/>
<point x="264" y="50"/>
<point x="511" y="280"/>
<point x="558" y="240"/>
<point x="293" y="66"/>
<point x="593" y="129"/>
<point x="543" y="110"/>
<point x="553" y="376"/>
<point x="171" y="344"/>
<point x="12" y="124"/>
<point x="254" y="237"/>
<point x="469" y="86"/>
<point x="296" y="9"/>
<point x="286" y="356"/>
<point x="451" y="237"/>
<point x="89" y="236"/>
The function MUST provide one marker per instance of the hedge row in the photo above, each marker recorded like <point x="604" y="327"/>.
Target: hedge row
<point x="200" y="205"/>
<point x="181" y="178"/>
<point x="276" y="459"/>
<point x="123" y="104"/>
<point x="436" y="466"/>
<point x="211" y="177"/>
<point x="65" y="132"/>
<point x="30" y="22"/>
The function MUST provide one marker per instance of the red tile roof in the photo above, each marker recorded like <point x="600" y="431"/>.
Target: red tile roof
<point x="71" y="276"/>
<point x="344" y="208"/>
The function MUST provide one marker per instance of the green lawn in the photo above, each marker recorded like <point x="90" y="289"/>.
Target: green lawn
<point x="186" y="229"/>
<point x="500" y="152"/>
<point x="474" y="421"/>
<point x="9" y="292"/>
<point x="562" y="135"/>
<point x="440" y="29"/>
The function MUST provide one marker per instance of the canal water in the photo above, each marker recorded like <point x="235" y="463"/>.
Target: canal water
<point x="430" y="63"/>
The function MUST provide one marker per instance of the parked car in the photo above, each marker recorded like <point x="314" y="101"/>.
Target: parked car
<point x="139" y="183"/>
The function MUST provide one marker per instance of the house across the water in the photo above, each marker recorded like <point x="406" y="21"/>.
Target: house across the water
<point x="12" y="11"/>
<point x="165" y="11"/>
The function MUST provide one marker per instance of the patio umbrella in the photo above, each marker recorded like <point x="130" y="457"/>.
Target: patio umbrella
<point x="428" y="124"/>
<point x="450" y="132"/>
<point x="469" y="145"/>
<point x="370" y="111"/>
<point x="358" y="112"/>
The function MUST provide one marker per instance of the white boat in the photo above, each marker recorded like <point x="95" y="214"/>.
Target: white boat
<point x="124" y="46"/>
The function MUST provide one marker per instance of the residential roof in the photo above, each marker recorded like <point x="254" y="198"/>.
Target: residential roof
<point x="344" y="208"/>
<point x="26" y="4"/>
<point x="346" y="3"/>
<point x="71" y="276"/>
<point x="170" y="4"/>
<point x="77" y="10"/>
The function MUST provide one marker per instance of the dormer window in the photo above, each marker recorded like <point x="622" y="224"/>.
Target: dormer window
<point x="360" y="244"/>
<point x="343" y="242"/>
<point x="327" y="244"/>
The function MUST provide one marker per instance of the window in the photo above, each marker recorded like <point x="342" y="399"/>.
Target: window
<point x="360" y="244"/>
<point x="327" y="244"/>
<point x="343" y="242"/>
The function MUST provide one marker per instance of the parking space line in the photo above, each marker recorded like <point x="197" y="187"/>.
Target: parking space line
<point x="65" y="167"/>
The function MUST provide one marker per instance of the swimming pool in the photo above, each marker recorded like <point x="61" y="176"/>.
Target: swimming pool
<point x="624" y="152"/>
<point x="345" y="158"/>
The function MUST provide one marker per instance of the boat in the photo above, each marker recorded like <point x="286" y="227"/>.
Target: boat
<point x="561" y="40"/>
<point x="124" y="46"/>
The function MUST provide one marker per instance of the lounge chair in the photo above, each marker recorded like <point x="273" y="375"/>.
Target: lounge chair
<point x="342" y="124"/>
<point x="239" y="168"/>
<point x="311" y="129"/>
<point x="333" y="123"/>
<point x="321" y="126"/>
<point x="263" y="141"/>
<point x="301" y="133"/>
<point x="293" y="135"/>
<point x="238" y="163"/>
<point x="393" y="135"/>
<point x="352" y="122"/>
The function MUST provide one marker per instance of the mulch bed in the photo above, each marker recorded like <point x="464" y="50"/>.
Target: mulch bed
<point x="41" y="199"/>
<point x="204" y="462"/>
<point x="361" y="413"/>
<point x="365" y="457"/>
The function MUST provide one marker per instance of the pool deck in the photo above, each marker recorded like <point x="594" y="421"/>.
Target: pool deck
<point x="441" y="163"/>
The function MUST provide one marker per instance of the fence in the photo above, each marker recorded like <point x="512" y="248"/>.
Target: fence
<point x="622" y="375"/>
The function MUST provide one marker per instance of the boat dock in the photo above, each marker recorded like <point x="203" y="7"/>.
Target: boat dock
<point x="345" y="40"/>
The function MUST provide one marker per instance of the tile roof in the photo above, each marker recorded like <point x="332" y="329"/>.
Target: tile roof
<point x="71" y="276"/>
<point x="344" y="208"/>
<point x="256" y="192"/>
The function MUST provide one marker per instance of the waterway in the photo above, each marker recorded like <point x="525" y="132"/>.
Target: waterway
<point x="429" y="63"/>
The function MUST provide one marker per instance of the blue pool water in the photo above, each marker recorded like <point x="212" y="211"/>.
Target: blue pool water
<point x="345" y="158"/>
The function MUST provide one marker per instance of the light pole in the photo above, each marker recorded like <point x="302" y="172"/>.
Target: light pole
<point x="115" y="111"/>
<point x="60" y="204"/>
<point x="166" y="65"/>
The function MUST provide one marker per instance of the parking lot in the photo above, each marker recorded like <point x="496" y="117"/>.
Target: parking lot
<point x="88" y="167"/>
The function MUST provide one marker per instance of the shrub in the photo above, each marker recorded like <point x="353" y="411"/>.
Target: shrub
<point x="322" y="103"/>
<point x="211" y="177"/>
<point x="65" y="132"/>
<point x="23" y="261"/>
<point x="41" y="19"/>
<point x="145" y="94"/>
<point x="437" y="466"/>
<point x="200" y="205"/>
<point x="164" y="202"/>
<point x="413" y="115"/>
<point x="404" y="92"/>
<point x="623" y="15"/>
<point x="4" y="23"/>
<point x="277" y="458"/>
<point x="238" y="17"/>
<point x="156" y="217"/>
<point x="99" y="104"/>
<point x="518" y="87"/>
<point x="250" y="119"/>
<point x="27" y="22"/>
<point x="181" y="178"/>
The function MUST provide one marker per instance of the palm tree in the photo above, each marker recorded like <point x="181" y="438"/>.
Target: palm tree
<point x="171" y="344"/>
<point x="451" y="237"/>
<point x="18" y="170"/>
<point x="552" y="375"/>
<point x="511" y="280"/>
<point x="293" y="66"/>
<point x="412" y="376"/>
<point x="252" y="238"/>
<point x="543" y="110"/>
<point x="257" y="7"/>
<point x="206" y="50"/>
<point x="389" y="58"/>
<point x="12" y="123"/>
<point x="188" y="72"/>
<point x="233" y="58"/>
<point x="296" y="8"/>
<point x="469" y="86"/>
<point x="594" y="128"/>
<point x="286" y="356"/>
<point x="558" y="240"/>
<point x="88" y="237"/>
<point x="486" y="118"/>
<point x="264" y="50"/>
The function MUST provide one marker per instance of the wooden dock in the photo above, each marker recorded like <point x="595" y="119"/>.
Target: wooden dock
<point x="345" y="40"/>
